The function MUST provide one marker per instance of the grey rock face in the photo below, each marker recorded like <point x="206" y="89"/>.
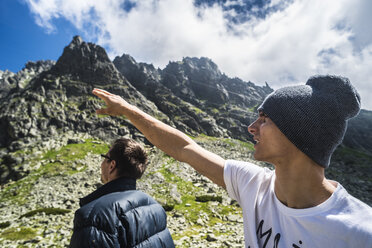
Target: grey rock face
<point x="10" y="80"/>
<point x="86" y="62"/>
<point x="139" y="74"/>
<point x="194" y="78"/>
<point x="7" y="79"/>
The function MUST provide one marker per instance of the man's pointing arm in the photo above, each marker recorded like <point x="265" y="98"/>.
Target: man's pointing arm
<point x="171" y="141"/>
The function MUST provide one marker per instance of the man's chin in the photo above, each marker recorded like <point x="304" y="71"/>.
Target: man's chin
<point x="256" y="156"/>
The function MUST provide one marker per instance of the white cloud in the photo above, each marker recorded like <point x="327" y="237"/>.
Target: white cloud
<point x="288" y="46"/>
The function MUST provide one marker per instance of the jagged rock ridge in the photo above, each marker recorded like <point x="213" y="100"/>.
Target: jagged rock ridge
<point x="48" y="98"/>
<point x="199" y="97"/>
<point x="10" y="80"/>
<point x="86" y="62"/>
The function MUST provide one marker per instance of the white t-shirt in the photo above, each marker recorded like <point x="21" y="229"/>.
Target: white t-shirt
<point x="341" y="221"/>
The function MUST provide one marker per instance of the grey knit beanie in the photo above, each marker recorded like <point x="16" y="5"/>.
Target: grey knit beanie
<point x="314" y="116"/>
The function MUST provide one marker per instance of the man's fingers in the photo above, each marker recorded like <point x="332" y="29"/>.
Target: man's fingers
<point x="100" y="92"/>
<point x="104" y="95"/>
<point x="110" y="100"/>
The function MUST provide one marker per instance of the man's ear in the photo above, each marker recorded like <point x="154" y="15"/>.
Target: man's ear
<point x="112" y="165"/>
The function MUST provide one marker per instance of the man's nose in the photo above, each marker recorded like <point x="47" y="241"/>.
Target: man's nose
<point x="252" y="127"/>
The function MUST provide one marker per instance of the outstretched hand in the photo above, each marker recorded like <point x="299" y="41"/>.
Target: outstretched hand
<point x="114" y="103"/>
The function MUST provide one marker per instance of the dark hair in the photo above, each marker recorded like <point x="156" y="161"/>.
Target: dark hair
<point x="130" y="157"/>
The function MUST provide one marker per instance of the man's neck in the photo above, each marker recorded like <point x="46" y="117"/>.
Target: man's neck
<point x="120" y="184"/>
<point x="301" y="184"/>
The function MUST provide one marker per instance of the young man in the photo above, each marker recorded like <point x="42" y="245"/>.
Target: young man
<point x="116" y="214"/>
<point x="297" y="130"/>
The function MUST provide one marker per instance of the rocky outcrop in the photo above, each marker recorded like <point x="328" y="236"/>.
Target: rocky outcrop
<point x="7" y="81"/>
<point x="86" y="62"/>
<point x="139" y="74"/>
<point x="10" y="80"/>
<point x="195" y="78"/>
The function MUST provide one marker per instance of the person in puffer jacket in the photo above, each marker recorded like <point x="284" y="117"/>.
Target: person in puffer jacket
<point x="116" y="214"/>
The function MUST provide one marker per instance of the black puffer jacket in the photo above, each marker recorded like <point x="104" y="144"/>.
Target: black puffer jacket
<point x="118" y="215"/>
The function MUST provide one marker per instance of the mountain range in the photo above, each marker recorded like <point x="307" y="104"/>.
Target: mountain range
<point x="48" y="105"/>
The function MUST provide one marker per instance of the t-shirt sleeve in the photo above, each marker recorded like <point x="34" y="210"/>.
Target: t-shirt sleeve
<point x="238" y="175"/>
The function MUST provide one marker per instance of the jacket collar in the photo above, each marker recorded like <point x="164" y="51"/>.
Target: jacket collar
<point x="117" y="185"/>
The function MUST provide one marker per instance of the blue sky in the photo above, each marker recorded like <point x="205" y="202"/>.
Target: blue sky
<point x="23" y="40"/>
<point x="281" y="42"/>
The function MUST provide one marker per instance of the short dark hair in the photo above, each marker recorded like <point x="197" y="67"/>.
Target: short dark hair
<point x="130" y="157"/>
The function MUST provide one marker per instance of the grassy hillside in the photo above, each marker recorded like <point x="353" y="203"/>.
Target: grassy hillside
<point x="37" y="211"/>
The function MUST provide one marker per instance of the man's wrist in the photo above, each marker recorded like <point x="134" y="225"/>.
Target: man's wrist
<point x="125" y="108"/>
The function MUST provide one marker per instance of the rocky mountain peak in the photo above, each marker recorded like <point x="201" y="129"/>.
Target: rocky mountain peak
<point x="7" y="81"/>
<point x="6" y="73"/>
<point x="86" y="62"/>
<point x="126" y="64"/>
<point x="10" y="80"/>
<point x="126" y="59"/>
<point x="76" y="40"/>
<point x="39" y="66"/>
<point x="137" y="73"/>
<point x="202" y="64"/>
<point x="198" y="68"/>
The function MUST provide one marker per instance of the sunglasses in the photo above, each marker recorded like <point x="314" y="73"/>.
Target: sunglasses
<point x="107" y="157"/>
